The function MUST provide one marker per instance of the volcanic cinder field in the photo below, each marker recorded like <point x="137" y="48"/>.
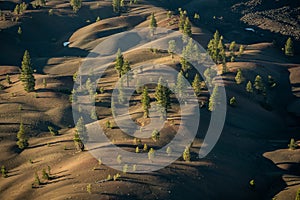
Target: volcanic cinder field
<point x="257" y="155"/>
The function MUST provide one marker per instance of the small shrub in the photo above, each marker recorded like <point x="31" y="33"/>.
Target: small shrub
<point x="8" y="79"/>
<point x="196" y="16"/>
<point x="50" y="12"/>
<point x="169" y="14"/>
<point x="89" y="188"/>
<point x="137" y="150"/>
<point x="186" y="154"/>
<point x="134" y="168"/>
<point x="232" y="59"/>
<point x="125" y="169"/>
<point x="252" y="184"/>
<point x="45" y="175"/>
<point x="108" y="124"/>
<point x="108" y="177"/>
<point x="52" y="131"/>
<point x="137" y="141"/>
<point x="145" y="148"/>
<point x="271" y="81"/>
<point x="232" y="101"/>
<point x="37" y="181"/>
<point x="102" y="90"/>
<point x="292" y="145"/>
<point x="116" y="176"/>
<point x="2" y="87"/>
<point x="4" y="171"/>
<point x="169" y="151"/>
<point x="44" y="83"/>
<point x="119" y="159"/>
<point x="151" y="154"/>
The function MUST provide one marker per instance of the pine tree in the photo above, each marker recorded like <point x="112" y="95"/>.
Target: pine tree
<point x="116" y="6"/>
<point x="232" y="46"/>
<point x="241" y="50"/>
<point x="126" y="70"/>
<point x="17" y="9"/>
<point x="93" y="114"/>
<point x="189" y="50"/>
<point x="186" y="154"/>
<point x="258" y="84"/>
<point x="197" y="85"/>
<point x="76" y="4"/>
<point x="162" y="95"/>
<point x="187" y="28"/>
<point x="184" y="65"/>
<point x="122" y="3"/>
<point x="298" y="195"/>
<point x="153" y="22"/>
<point x="182" y="20"/>
<point x="20" y="31"/>
<point x="172" y="47"/>
<point x="292" y="145"/>
<point x="145" y="102"/>
<point x="249" y="87"/>
<point x="289" y="47"/>
<point x="22" y="139"/>
<point x="155" y="135"/>
<point x="209" y="75"/>
<point x="26" y="76"/>
<point x="181" y="87"/>
<point x="221" y="56"/>
<point x="119" y="62"/>
<point x="216" y="48"/>
<point x="8" y="79"/>
<point x="239" y="78"/>
<point x="169" y="14"/>
<point x="80" y="132"/>
<point x="81" y="128"/>
<point x="214" y="100"/>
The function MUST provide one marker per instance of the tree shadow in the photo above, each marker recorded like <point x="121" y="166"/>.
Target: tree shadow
<point x="50" y="143"/>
